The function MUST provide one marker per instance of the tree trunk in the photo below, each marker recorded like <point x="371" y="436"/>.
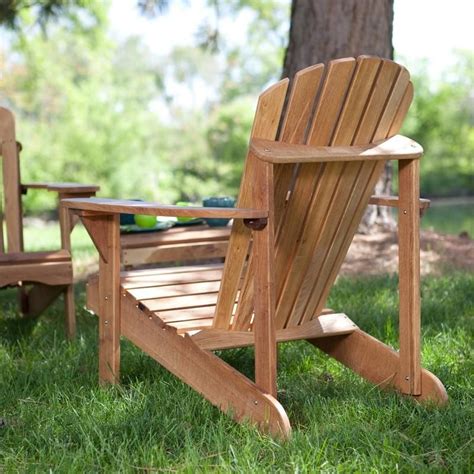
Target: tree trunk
<point x="321" y="30"/>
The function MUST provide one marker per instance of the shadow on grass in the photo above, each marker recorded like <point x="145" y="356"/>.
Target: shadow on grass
<point x="13" y="327"/>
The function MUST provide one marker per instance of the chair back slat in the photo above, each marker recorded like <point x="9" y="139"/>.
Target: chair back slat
<point x="307" y="207"/>
<point x="11" y="182"/>
<point x="335" y="188"/>
<point x="317" y="206"/>
<point x="366" y="176"/>
<point x="266" y="122"/>
<point x="294" y="127"/>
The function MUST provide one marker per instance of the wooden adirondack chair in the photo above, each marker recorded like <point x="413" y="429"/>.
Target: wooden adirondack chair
<point x="48" y="274"/>
<point x="315" y="155"/>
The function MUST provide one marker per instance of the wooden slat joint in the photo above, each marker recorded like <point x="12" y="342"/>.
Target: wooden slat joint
<point x="394" y="201"/>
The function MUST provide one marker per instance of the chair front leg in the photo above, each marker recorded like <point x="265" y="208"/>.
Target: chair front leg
<point x="105" y="233"/>
<point x="264" y="324"/>
<point x="263" y="252"/>
<point x="66" y="226"/>
<point x="409" y="277"/>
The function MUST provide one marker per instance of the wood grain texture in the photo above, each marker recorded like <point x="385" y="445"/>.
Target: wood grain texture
<point x="395" y="81"/>
<point x="117" y="206"/>
<point x="394" y="201"/>
<point x="394" y="148"/>
<point x="175" y="236"/>
<point x="63" y="188"/>
<point x="264" y="322"/>
<point x="217" y="381"/>
<point x="276" y="279"/>
<point x="204" y="250"/>
<point x="11" y="182"/>
<point x="294" y="129"/>
<point x="267" y="118"/>
<point x="159" y="282"/>
<point x="306" y="201"/>
<point x="378" y="363"/>
<point x="104" y="231"/>
<point x="297" y="113"/>
<point x="39" y="297"/>
<point x="324" y="326"/>
<point x="175" y="290"/>
<point x="66" y="225"/>
<point x="49" y="273"/>
<point x="371" y="127"/>
<point x="24" y="258"/>
<point x="409" y="277"/>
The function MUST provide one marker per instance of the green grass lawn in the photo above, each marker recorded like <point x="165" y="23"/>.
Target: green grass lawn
<point x="58" y="419"/>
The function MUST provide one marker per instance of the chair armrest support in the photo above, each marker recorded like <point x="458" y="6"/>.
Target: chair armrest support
<point x="115" y="206"/>
<point x="394" y="201"/>
<point x="64" y="190"/>
<point x="395" y="148"/>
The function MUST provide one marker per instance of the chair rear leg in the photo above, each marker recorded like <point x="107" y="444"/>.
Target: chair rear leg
<point x="70" y="312"/>
<point x="22" y="297"/>
<point x="67" y="223"/>
<point x="378" y="363"/>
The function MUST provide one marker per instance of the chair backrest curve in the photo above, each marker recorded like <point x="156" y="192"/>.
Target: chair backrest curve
<point x="318" y="207"/>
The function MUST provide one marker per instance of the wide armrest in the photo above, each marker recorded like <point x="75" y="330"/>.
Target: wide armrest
<point x="395" y="148"/>
<point x="74" y="188"/>
<point x="116" y="206"/>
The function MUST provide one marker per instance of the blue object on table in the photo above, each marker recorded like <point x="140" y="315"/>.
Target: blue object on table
<point x="224" y="201"/>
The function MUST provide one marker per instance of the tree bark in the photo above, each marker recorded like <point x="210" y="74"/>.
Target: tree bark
<point x="321" y="30"/>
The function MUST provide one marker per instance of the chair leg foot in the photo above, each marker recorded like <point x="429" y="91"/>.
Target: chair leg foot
<point x="378" y="363"/>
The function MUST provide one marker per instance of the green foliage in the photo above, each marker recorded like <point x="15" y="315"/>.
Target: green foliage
<point x="442" y="120"/>
<point x="228" y="136"/>
<point x="83" y="115"/>
<point x="92" y="110"/>
<point x="20" y="15"/>
<point x="57" y="417"/>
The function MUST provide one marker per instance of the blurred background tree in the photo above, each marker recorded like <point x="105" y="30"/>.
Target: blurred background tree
<point x="442" y="119"/>
<point x="321" y="30"/>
